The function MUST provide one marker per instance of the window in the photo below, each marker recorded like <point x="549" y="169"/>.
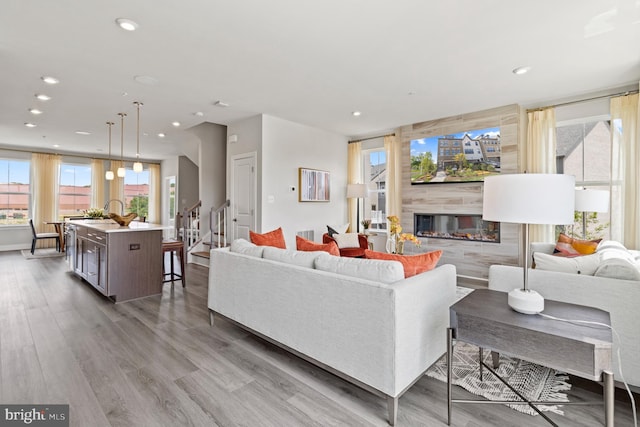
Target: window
<point x="74" y="191"/>
<point x="584" y="150"/>
<point x="136" y="192"/>
<point x="15" y="192"/>
<point x="375" y="176"/>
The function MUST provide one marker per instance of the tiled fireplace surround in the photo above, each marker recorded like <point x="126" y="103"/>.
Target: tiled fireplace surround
<point x="472" y="258"/>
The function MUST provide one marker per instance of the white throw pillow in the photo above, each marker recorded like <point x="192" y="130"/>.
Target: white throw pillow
<point x="289" y="256"/>
<point x="347" y="240"/>
<point x="369" y="269"/>
<point x="245" y="247"/>
<point x="586" y="264"/>
<point x="340" y="228"/>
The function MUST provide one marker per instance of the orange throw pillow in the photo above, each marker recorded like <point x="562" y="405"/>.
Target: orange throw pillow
<point x="306" y="245"/>
<point x="412" y="264"/>
<point x="567" y="245"/>
<point x="273" y="238"/>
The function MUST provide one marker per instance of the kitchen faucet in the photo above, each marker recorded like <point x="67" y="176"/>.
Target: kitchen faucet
<point x="106" y="206"/>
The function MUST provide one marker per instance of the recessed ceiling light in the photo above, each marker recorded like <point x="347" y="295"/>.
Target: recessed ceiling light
<point x="127" y="24"/>
<point x="220" y="104"/>
<point x="30" y="125"/>
<point x="161" y="135"/>
<point x="198" y="114"/>
<point x="175" y="124"/>
<point x="82" y="132"/>
<point x="56" y="145"/>
<point x="411" y="93"/>
<point x="99" y="149"/>
<point x="146" y="80"/>
<point x="356" y="113"/>
<point x="42" y="97"/>
<point x="521" y="70"/>
<point x="35" y="111"/>
<point x="50" y="80"/>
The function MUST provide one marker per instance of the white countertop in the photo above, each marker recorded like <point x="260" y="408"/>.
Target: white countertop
<point x="110" y="226"/>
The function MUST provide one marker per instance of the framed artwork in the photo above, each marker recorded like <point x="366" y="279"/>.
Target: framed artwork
<point x="462" y="157"/>
<point x="313" y="185"/>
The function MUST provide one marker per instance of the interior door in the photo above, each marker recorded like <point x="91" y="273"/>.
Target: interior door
<point x="243" y="195"/>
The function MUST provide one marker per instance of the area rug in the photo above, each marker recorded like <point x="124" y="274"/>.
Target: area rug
<point x="535" y="382"/>
<point x="42" y="253"/>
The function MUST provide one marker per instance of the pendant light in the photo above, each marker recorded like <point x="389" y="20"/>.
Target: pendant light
<point x="137" y="166"/>
<point x="121" y="171"/>
<point x="109" y="174"/>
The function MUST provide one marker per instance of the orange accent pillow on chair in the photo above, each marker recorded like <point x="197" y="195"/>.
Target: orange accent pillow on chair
<point x="307" y="245"/>
<point x="273" y="238"/>
<point x="412" y="264"/>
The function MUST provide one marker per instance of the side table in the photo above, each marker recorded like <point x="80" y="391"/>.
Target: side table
<point x="484" y="318"/>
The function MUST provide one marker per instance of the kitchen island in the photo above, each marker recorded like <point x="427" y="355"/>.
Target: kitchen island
<point x="121" y="262"/>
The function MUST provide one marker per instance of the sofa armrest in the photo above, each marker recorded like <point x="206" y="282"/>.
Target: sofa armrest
<point x="543" y="247"/>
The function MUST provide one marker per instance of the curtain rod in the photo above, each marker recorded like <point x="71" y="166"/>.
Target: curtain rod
<point x="562" y="104"/>
<point x="19" y="150"/>
<point x="371" y="137"/>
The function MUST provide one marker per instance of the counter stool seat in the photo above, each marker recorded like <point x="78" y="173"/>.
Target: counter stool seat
<point x="175" y="247"/>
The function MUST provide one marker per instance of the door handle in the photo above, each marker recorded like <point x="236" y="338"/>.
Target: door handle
<point x="235" y="219"/>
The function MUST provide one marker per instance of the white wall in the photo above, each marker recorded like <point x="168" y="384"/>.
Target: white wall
<point x="286" y="146"/>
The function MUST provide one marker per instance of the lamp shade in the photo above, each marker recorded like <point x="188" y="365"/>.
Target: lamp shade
<point x="592" y="200"/>
<point x="529" y="198"/>
<point x="356" y="191"/>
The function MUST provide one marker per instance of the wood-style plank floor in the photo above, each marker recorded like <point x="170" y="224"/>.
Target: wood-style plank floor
<point x="157" y="362"/>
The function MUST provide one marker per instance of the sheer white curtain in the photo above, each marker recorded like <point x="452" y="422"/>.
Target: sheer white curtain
<point x="97" y="183"/>
<point x="625" y="177"/>
<point x="116" y="186"/>
<point x="354" y="176"/>
<point x="154" y="194"/>
<point x="393" y="151"/>
<point x="541" y="158"/>
<point x="45" y="172"/>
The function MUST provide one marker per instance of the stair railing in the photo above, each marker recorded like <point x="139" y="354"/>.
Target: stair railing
<point x="191" y="226"/>
<point x="218" y="224"/>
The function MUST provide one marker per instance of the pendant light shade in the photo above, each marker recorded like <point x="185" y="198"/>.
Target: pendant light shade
<point x="121" y="172"/>
<point x="109" y="174"/>
<point x="137" y="166"/>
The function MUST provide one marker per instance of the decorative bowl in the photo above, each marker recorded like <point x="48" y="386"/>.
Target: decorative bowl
<point x="123" y="220"/>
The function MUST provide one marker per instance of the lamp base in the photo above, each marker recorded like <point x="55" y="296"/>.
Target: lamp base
<point x="526" y="301"/>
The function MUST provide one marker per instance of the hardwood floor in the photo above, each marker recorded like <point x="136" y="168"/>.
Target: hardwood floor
<point x="157" y="362"/>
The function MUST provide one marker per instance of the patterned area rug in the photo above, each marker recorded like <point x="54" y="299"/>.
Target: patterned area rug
<point x="535" y="382"/>
<point x="42" y="253"/>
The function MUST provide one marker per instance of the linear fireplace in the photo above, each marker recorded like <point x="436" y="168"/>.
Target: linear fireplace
<point x="456" y="227"/>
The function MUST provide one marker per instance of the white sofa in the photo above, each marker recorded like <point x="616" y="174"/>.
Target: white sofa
<point x="329" y="310"/>
<point x="621" y="298"/>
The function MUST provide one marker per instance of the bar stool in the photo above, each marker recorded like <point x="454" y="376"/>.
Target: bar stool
<point x="175" y="247"/>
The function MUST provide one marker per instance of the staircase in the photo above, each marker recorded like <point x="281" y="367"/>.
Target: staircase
<point x="199" y="247"/>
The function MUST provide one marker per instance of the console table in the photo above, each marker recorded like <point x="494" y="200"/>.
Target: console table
<point x="484" y="318"/>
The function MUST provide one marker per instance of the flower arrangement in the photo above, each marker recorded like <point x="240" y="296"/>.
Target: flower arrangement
<point x="366" y="223"/>
<point x="94" y="213"/>
<point x="397" y="237"/>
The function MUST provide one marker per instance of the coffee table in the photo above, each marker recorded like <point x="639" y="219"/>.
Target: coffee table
<point x="484" y="318"/>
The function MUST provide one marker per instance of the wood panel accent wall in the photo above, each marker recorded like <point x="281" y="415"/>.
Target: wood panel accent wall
<point x="472" y="259"/>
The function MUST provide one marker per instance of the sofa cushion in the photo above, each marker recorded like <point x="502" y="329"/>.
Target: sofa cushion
<point x="273" y="238"/>
<point x="617" y="262"/>
<point x="245" y="247"/>
<point x="303" y="244"/>
<point x="369" y="269"/>
<point x="347" y="240"/>
<point x="586" y="264"/>
<point x="412" y="264"/>
<point x="567" y="245"/>
<point x="287" y="256"/>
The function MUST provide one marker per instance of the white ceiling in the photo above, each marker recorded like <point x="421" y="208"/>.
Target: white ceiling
<point x="311" y="62"/>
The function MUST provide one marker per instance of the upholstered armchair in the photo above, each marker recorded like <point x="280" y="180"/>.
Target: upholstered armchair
<point x="356" y="252"/>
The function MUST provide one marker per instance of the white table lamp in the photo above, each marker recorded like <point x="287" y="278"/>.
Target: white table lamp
<point x="591" y="201"/>
<point x="357" y="191"/>
<point x="528" y="199"/>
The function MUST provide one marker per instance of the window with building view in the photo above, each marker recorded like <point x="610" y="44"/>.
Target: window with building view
<point x="584" y="150"/>
<point x="15" y="192"/>
<point x="74" y="190"/>
<point x="136" y="192"/>
<point x="375" y="177"/>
